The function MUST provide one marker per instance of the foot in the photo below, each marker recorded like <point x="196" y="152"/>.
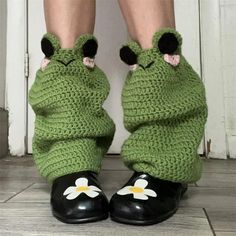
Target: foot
<point x="78" y="198"/>
<point x="145" y="200"/>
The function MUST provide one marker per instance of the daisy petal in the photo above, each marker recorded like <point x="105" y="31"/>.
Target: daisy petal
<point x="150" y="192"/>
<point x="140" y="196"/>
<point x="73" y="195"/>
<point x="94" y="188"/>
<point x="91" y="193"/>
<point x="142" y="183"/>
<point x="81" y="182"/>
<point x="124" y="190"/>
<point x="69" y="190"/>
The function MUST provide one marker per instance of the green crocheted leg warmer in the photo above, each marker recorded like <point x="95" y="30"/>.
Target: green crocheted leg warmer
<point x="165" y="110"/>
<point x="72" y="130"/>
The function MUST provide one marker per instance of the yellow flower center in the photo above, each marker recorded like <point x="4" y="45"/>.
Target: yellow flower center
<point x="136" y="190"/>
<point x="82" y="188"/>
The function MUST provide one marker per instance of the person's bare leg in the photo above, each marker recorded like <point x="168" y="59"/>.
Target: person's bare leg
<point x="68" y="19"/>
<point x="144" y="18"/>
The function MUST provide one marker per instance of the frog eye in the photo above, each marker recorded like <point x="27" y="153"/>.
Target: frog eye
<point x="128" y="56"/>
<point x="168" y="43"/>
<point x="89" y="48"/>
<point x="47" y="47"/>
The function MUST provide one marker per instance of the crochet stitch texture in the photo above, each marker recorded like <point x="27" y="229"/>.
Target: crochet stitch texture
<point x="165" y="110"/>
<point x="72" y="130"/>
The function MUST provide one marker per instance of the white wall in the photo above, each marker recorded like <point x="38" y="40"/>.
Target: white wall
<point x="3" y="23"/>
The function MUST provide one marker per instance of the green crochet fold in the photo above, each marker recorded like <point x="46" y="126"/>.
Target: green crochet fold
<point x="165" y="110"/>
<point x="72" y="130"/>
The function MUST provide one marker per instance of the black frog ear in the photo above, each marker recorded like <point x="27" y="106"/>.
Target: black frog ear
<point x="167" y="41"/>
<point x="87" y="45"/>
<point x="90" y="48"/>
<point x="129" y="53"/>
<point x="47" y="47"/>
<point x="49" y="44"/>
<point x="128" y="56"/>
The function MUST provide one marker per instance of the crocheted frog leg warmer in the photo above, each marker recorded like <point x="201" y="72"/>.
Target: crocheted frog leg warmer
<point x="165" y="110"/>
<point x="72" y="130"/>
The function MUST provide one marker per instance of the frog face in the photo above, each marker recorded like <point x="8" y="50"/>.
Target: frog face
<point x="73" y="61"/>
<point x="164" y="54"/>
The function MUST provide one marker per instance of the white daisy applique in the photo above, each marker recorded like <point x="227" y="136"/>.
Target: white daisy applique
<point x="138" y="190"/>
<point x="81" y="186"/>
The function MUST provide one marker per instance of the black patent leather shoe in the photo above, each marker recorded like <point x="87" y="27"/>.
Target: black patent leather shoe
<point x="145" y="200"/>
<point x="78" y="198"/>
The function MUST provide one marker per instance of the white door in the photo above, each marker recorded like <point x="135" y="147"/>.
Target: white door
<point x="111" y="33"/>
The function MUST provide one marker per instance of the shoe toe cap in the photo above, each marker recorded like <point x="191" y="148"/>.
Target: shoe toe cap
<point x="130" y="208"/>
<point x="80" y="208"/>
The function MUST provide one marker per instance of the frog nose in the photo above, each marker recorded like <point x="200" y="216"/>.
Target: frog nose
<point x="65" y="63"/>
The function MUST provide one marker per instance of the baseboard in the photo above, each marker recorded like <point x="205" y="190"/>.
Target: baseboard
<point x="3" y="133"/>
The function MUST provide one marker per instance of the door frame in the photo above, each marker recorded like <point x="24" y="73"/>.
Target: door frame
<point x="16" y="79"/>
<point x="210" y="28"/>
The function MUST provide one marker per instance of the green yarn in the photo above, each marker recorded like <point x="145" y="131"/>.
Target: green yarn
<point x="165" y="110"/>
<point x="72" y="130"/>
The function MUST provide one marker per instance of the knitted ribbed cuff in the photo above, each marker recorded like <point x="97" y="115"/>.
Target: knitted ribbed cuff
<point x="68" y="156"/>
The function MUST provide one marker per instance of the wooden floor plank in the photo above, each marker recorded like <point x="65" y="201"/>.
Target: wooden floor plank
<point x="223" y="220"/>
<point x="210" y="197"/>
<point x="11" y="186"/>
<point x="217" y="180"/>
<point x="36" y="219"/>
<point x="224" y="233"/>
<point x="219" y="166"/>
<point x="114" y="162"/>
<point x="195" y="196"/>
<point x="111" y="181"/>
<point x="18" y="168"/>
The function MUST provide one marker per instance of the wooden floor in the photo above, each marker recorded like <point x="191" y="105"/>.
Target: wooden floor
<point x="208" y="208"/>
